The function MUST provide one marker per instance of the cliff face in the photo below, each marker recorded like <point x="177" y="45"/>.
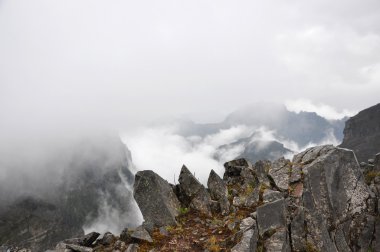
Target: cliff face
<point x="362" y="133"/>
<point x="93" y="182"/>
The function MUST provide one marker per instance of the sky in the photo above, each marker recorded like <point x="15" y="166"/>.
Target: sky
<point x="78" y="64"/>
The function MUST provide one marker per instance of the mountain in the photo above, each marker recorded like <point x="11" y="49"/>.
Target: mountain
<point x="319" y="201"/>
<point x="362" y="133"/>
<point x="91" y="193"/>
<point x="300" y="129"/>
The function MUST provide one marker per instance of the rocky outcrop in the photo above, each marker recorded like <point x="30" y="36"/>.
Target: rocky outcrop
<point x="156" y="199"/>
<point x="362" y="133"/>
<point x="321" y="201"/>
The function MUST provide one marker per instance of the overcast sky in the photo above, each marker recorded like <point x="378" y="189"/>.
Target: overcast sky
<point x="122" y="63"/>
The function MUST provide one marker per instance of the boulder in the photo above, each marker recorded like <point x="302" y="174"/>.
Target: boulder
<point x="200" y="199"/>
<point x="141" y="234"/>
<point x="218" y="191"/>
<point x="335" y="199"/>
<point x="133" y="248"/>
<point x="155" y="198"/>
<point x="271" y="216"/>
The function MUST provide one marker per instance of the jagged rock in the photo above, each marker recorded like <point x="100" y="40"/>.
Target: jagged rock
<point x="141" y="234"/>
<point x="233" y="168"/>
<point x="218" y="191"/>
<point x="85" y="240"/>
<point x="247" y="223"/>
<point x="279" y="241"/>
<point x="279" y="172"/>
<point x="252" y="198"/>
<point x="270" y="195"/>
<point x="107" y="239"/>
<point x="296" y="173"/>
<point x="156" y="199"/>
<point x="271" y="216"/>
<point x="133" y="248"/>
<point x="200" y="198"/>
<point x="248" y="243"/>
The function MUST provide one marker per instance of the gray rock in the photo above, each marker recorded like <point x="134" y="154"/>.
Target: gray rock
<point x="233" y="168"/>
<point x="247" y="223"/>
<point x="156" y="199"/>
<point x="141" y="234"/>
<point x="271" y="216"/>
<point x="279" y="172"/>
<point x="85" y="240"/>
<point x="334" y="195"/>
<point x="278" y="242"/>
<point x="297" y="227"/>
<point x="248" y="243"/>
<point x="107" y="239"/>
<point x="200" y="198"/>
<point x="218" y="191"/>
<point x="133" y="248"/>
<point x="270" y="195"/>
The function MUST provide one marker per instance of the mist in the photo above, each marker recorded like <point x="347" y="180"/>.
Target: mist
<point x="79" y="77"/>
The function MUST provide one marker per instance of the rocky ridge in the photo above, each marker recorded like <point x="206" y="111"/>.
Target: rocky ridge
<point x="322" y="200"/>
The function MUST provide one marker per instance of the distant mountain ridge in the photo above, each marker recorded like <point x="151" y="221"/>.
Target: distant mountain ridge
<point x="302" y="128"/>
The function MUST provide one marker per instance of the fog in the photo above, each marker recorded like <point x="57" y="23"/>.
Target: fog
<point x="80" y="69"/>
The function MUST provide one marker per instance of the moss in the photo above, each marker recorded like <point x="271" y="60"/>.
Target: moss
<point x="371" y="175"/>
<point x="183" y="210"/>
<point x="310" y="247"/>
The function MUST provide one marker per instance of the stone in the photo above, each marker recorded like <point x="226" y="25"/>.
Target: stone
<point x="271" y="216"/>
<point x="247" y="223"/>
<point x="271" y="195"/>
<point x="279" y="172"/>
<point x="233" y="168"/>
<point x="107" y="239"/>
<point x="164" y="231"/>
<point x="248" y="242"/>
<point x="141" y="234"/>
<point x="86" y="240"/>
<point x="133" y="248"/>
<point x="279" y="241"/>
<point x="218" y="191"/>
<point x="156" y="199"/>
<point x="200" y="198"/>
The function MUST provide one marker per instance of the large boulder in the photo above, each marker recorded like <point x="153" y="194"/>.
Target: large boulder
<point x="200" y="199"/>
<point x="335" y="199"/>
<point x="156" y="199"/>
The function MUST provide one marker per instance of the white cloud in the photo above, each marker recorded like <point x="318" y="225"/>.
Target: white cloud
<point x="323" y="110"/>
<point x="162" y="150"/>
